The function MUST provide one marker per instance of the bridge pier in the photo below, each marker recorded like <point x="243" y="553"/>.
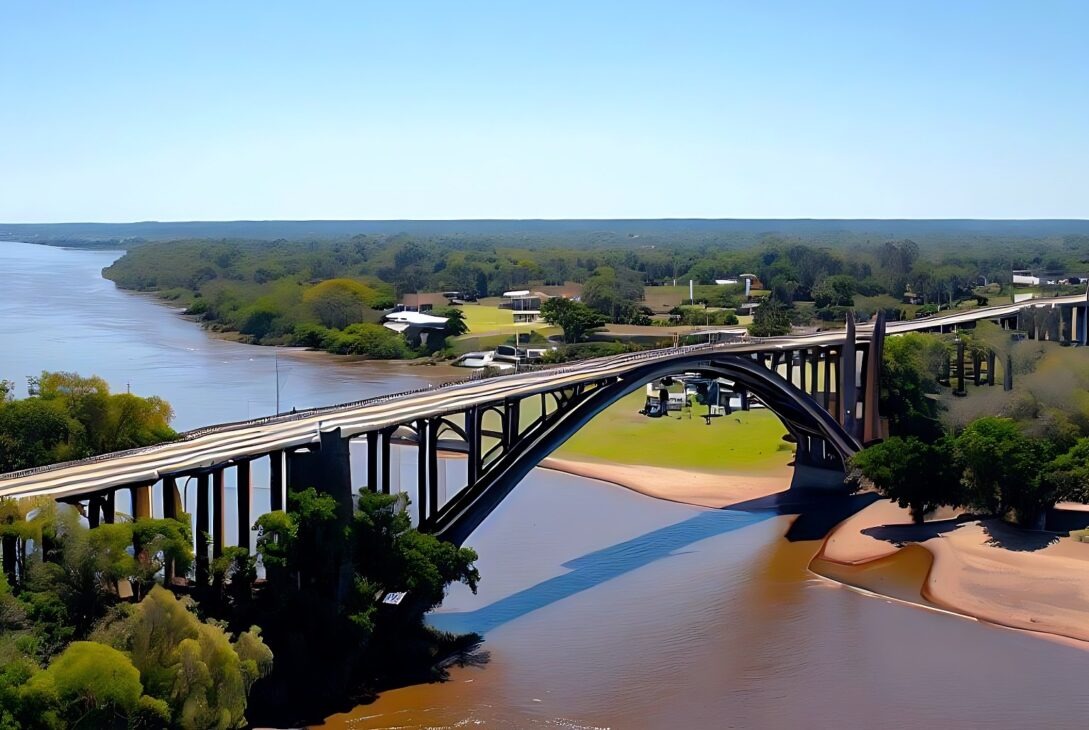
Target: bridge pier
<point x="328" y="471"/>
<point x="960" y="368"/>
<point x="422" y="458"/>
<point x="1066" y="315"/>
<point x="433" y="427"/>
<point x="244" y="499"/>
<point x="372" y="460"/>
<point x="201" y="562"/>
<point x="875" y="353"/>
<point x="990" y="366"/>
<point x="276" y="480"/>
<point x="847" y="393"/>
<point x="141" y="501"/>
<point x="1082" y="328"/>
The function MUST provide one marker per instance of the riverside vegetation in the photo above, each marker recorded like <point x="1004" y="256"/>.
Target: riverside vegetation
<point x="74" y="653"/>
<point x="330" y="294"/>
<point x="1008" y="455"/>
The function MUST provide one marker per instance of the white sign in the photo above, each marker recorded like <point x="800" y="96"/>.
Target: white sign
<point x="394" y="599"/>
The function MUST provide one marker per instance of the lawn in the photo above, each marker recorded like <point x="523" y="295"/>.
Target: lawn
<point x="749" y="441"/>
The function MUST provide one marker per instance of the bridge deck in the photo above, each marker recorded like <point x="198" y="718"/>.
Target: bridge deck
<point x="217" y="445"/>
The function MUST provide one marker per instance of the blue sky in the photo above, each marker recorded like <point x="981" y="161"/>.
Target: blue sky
<point x="115" y="111"/>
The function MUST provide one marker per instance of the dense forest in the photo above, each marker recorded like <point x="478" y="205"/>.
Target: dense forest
<point x="330" y="293"/>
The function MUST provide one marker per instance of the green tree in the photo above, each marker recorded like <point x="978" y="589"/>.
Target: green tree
<point x="1002" y="469"/>
<point x="89" y="685"/>
<point x="909" y="384"/>
<point x="574" y="318"/>
<point x="771" y="319"/>
<point x="455" y="321"/>
<point x="835" y="291"/>
<point x="914" y="474"/>
<point x="338" y="303"/>
<point x="191" y="665"/>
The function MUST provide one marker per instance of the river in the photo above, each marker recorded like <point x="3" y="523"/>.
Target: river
<point x="599" y="607"/>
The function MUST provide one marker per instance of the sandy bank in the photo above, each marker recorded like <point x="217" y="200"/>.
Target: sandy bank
<point x="691" y="487"/>
<point x="985" y="569"/>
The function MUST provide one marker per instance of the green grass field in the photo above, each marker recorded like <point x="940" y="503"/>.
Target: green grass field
<point x="749" y="441"/>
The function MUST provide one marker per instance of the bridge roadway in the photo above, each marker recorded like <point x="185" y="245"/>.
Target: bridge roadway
<point x="222" y="444"/>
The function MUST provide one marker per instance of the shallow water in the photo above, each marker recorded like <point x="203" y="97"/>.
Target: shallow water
<point x="604" y="608"/>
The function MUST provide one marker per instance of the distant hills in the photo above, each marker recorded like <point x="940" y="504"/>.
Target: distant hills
<point x="272" y="230"/>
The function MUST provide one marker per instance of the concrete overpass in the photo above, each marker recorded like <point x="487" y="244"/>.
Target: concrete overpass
<point x="506" y="424"/>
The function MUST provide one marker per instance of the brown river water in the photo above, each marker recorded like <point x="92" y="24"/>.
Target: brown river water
<point x="599" y="607"/>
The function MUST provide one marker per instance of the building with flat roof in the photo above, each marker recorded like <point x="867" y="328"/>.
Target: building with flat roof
<point x="525" y="305"/>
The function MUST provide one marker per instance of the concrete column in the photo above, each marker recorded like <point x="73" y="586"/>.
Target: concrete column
<point x="109" y="507"/>
<point x="172" y="502"/>
<point x="1053" y="324"/>
<point x="433" y="465"/>
<point x="801" y="370"/>
<point x="472" y="433"/>
<point x="276" y="480"/>
<point x="141" y="501"/>
<point x="1081" y="328"/>
<point x="372" y="460"/>
<point x="1066" y="315"/>
<point x="990" y="366"/>
<point x="977" y="364"/>
<point x="201" y="553"/>
<point x="1007" y="374"/>
<point x="94" y="511"/>
<point x="829" y="362"/>
<point x="790" y="366"/>
<point x="245" y="498"/>
<point x="219" y="528"/>
<point x="328" y="470"/>
<point x="871" y="398"/>
<point x="814" y="371"/>
<point x="847" y="395"/>
<point x="960" y="367"/>
<point x="421" y="469"/>
<point x="386" y="436"/>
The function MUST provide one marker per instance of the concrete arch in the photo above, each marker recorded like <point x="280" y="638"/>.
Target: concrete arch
<point x="803" y="417"/>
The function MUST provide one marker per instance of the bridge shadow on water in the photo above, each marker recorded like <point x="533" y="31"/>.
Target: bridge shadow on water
<point x="817" y="512"/>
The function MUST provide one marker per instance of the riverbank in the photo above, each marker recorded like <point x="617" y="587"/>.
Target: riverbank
<point x="984" y="569"/>
<point x="702" y="489"/>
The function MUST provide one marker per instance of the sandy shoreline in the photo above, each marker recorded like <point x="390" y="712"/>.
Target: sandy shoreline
<point x="986" y="570"/>
<point x="703" y="489"/>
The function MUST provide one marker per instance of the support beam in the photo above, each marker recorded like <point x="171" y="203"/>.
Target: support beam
<point x="990" y="366"/>
<point x="847" y="395"/>
<point x="94" y="511"/>
<point x="977" y="365"/>
<point x="276" y="480"/>
<point x="472" y="434"/>
<point x="219" y="528"/>
<point x="328" y="469"/>
<point x="245" y="499"/>
<point x="421" y="469"/>
<point x="433" y="464"/>
<point x="960" y="368"/>
<point x="814" y="371"/>
<point x="109" y="507"/>
<point x="372" y="460"/>
<point x="201" y="552"/>
<point x="872" y="428"/>
<point x="1066" y="315"/>
<point x="830" y="359"/>
<point x="386" y="436"/>
<point x="172" y="502"/>
<point x="1007" y="374"/>
<point x="140" y="497"/>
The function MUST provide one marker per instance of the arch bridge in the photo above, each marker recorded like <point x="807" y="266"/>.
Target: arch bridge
<point x="823" y="386"/>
